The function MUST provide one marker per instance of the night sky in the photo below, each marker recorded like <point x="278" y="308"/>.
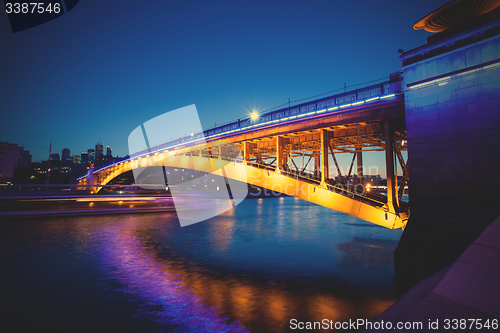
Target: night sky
<point x="105" y="67"/>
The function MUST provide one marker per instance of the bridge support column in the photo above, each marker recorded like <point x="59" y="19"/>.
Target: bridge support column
<point x="317" y="163"/>
<point x="211" y="156"/>
<point x="389" y="167"/>
<point x="247" y="151"/>
<point x="91" y="180"/>
<point x="324" y="156"/>
<point x="280" y="152"/>
<point x="359" y="160"/>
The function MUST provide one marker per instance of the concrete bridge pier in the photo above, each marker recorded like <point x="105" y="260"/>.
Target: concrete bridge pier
<point x="91" y="180"/>
<point x="452" y="105"/>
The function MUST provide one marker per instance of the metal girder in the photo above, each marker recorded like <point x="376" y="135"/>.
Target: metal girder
<point x="352" y="163"/>
<point x="324" y="157"/>
<point x="392" y="202"/>
<point x="404" y="168"/>
<point x="306" y="164"/>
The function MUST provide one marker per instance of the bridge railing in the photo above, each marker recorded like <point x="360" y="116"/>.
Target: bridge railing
<point x="332" y="102"/>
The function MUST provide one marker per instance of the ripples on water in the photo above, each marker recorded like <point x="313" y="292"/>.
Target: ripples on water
<point x="251" y="269"/>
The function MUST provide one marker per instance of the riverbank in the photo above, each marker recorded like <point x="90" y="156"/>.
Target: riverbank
<point x="464" y="296"/>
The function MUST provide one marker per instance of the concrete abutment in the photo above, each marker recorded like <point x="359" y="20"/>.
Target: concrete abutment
<point x="452" y="105"/>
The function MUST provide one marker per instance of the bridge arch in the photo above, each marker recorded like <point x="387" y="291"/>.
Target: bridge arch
<point x="345" y="200"/>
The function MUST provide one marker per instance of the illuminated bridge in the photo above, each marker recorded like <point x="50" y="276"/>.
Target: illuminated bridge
<point x="294" y="150"/>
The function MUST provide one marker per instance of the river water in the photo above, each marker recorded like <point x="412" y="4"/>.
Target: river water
<point x="252" y="269"/>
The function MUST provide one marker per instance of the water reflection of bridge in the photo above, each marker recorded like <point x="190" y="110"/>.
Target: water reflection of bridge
<point x="178" y="291"/>
<point x="294" y="151"/>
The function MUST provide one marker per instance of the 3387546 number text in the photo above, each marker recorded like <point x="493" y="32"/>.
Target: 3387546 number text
<point x="32" y="7"/>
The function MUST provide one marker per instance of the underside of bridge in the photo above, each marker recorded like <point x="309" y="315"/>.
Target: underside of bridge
<point x="301" y="161"/>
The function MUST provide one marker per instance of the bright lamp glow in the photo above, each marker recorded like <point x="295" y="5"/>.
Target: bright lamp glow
<point x="254" y="115"/>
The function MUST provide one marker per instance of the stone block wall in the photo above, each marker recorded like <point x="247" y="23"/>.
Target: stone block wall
<point x="453" y="131"/>
<point x="452" y="105"/>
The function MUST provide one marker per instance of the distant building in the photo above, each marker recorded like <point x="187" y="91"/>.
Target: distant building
<point x="373" y="180"/>
<point x="84" y="157"/>
<point x="61" y="172"/>
<point x="103" y="160"/>
<point x="24" y="158"/>
<point x="55" y="157"/>
<point x="65" y="154"/>
<point x="91" y="155"/>
<point x="75" y="159"/>
<point x="108" y="151"/>
<point x="11" y="157"/>
<point x="99" y="150"/>
<point x="40" y="168"/>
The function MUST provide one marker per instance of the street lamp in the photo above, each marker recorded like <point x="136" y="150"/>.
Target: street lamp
<point x="254" y="115"/>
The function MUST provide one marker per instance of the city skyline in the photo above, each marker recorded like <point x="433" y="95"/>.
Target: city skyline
<point x="101" y="70"/>
<point x="68" y="153"/>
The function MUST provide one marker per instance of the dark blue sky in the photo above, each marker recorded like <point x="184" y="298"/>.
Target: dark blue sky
<point x="105" y="67"/>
